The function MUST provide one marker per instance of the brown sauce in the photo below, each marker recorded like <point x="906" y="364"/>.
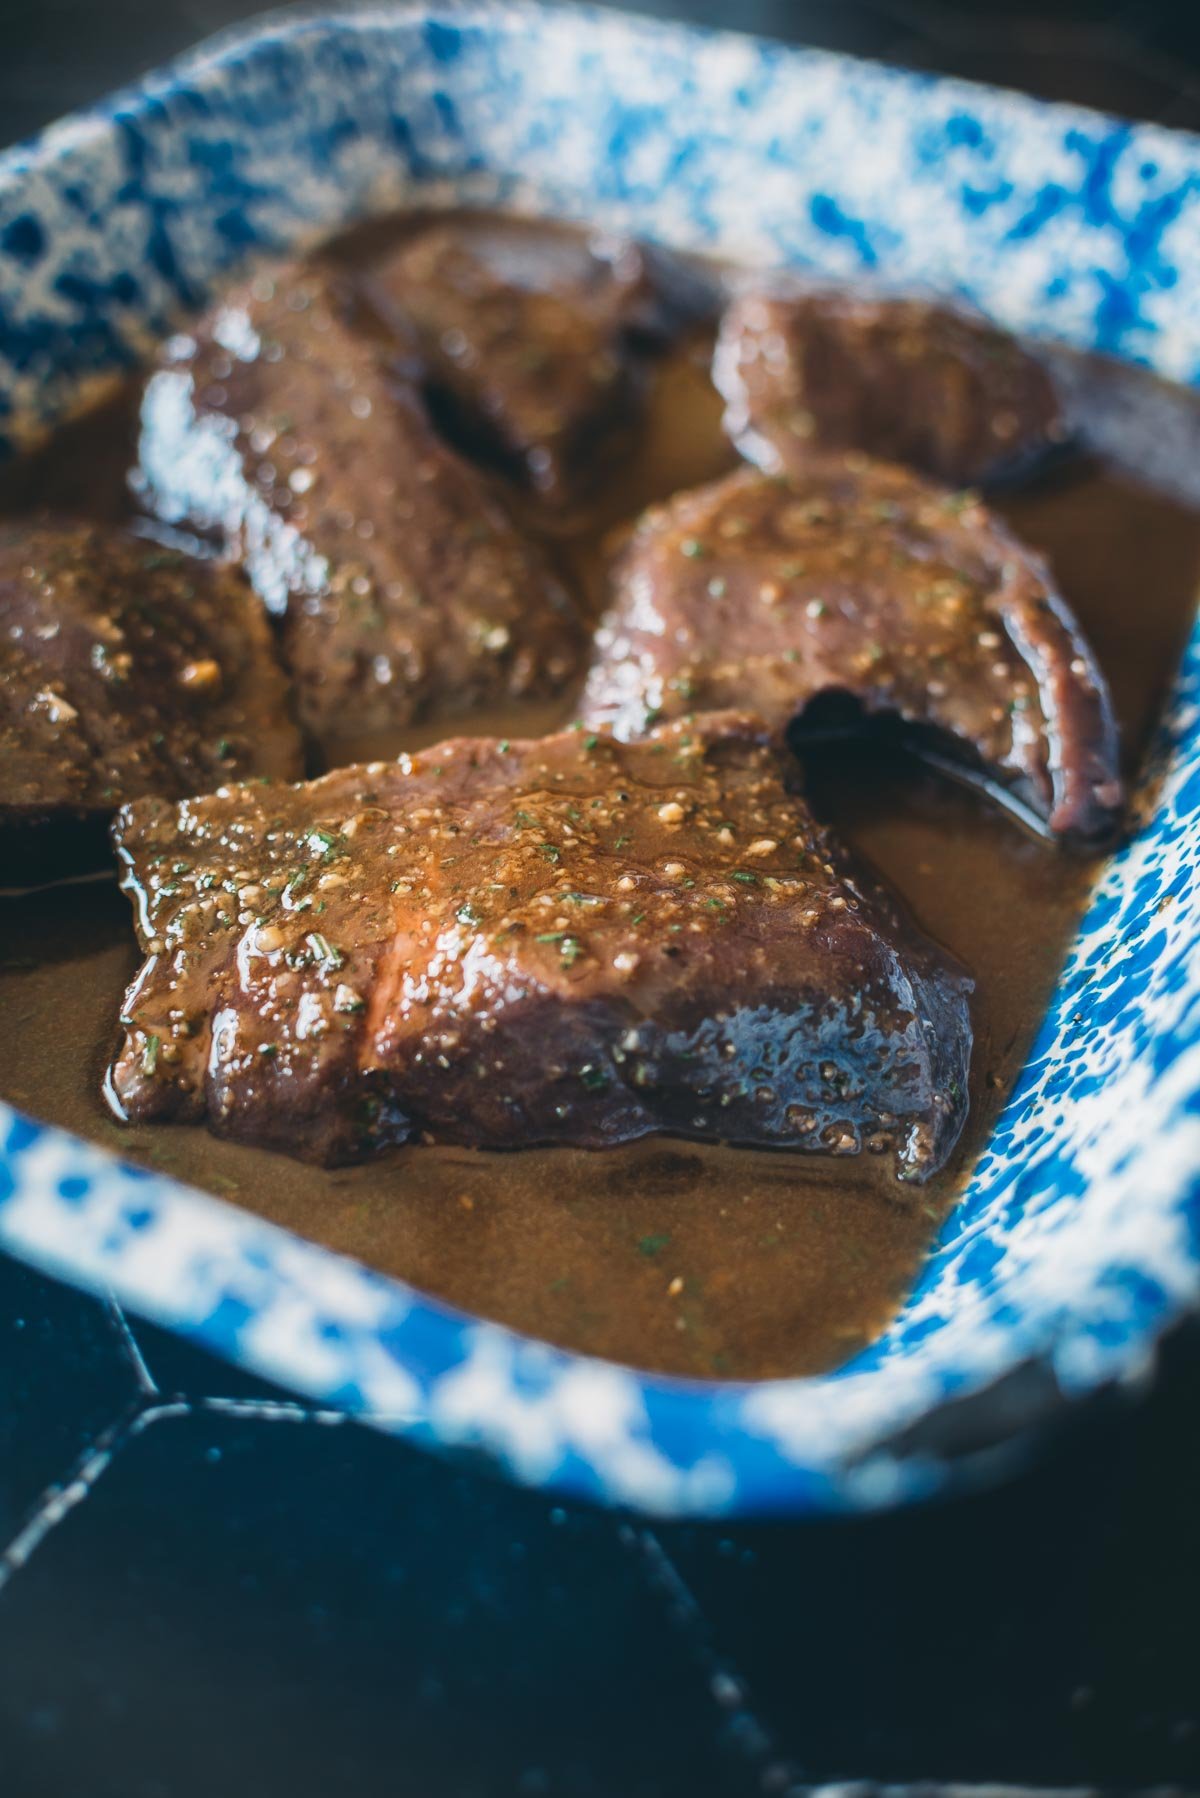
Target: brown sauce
<point x="693" y="1260"/>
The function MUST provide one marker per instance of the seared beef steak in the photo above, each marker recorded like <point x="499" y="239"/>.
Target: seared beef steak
<point x="125" y="669"/>
<point x="806" y="368"/>
<point x="558" y="941"/>
<point x="279" y="424"/>
<point x="533" y="341"/>
<point x="866" y="580"/>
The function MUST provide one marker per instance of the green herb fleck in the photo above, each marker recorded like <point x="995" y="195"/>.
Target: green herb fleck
<point x="325" y="841"/>
<point x="324" y="950"/>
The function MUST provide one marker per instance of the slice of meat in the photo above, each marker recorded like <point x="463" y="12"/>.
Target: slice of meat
<point x="805" y="368"/>
<point x="556" y="941"/>
<point x="280" y="426"/>
<point x="868" y="581"/>
<point x="533" y="338"/>
<point x="126" y="669"/>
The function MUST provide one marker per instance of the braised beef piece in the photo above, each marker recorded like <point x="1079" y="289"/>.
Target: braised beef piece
<point x="558" y="941"/>
<point x="125" y="669"/>
<point x="805" y="368"/>
<point x="534" y="341"/>
<point x="863" y="580"/>
<point x="280" y="425"/>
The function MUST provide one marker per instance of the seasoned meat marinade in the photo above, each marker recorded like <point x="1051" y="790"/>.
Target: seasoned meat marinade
<point x="862" y="579"/>
<point x="534" y="344"/>
<point x="280" y="424"/>
<point x="125" y="669"/>
<point x="558" y="941"/>
<point x="806" y="367"/>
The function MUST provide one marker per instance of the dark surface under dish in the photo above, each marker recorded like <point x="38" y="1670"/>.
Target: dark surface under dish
<point x="694" y="1259"/>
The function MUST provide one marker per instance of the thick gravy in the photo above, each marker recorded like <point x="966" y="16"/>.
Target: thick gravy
<point x="707" y="1262"/>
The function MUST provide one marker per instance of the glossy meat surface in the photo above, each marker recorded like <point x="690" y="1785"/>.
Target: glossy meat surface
<point x="863" y="580"/>
<point x="558" y="941"/>
<point x="806" y="368"/>
<point x="534" y="340"/>
<point x="281" y="425"/>
<point x="126" y="669"/>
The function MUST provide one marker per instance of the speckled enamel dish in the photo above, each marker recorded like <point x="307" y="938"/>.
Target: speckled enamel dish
<point x="1079" y="1239"/>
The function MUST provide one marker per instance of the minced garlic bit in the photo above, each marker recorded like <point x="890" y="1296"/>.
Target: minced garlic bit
<point x="201" y="676"/>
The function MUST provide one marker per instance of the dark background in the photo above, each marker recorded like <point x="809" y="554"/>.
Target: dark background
<point x="1138" y="57"/>
<point x="210" y="1592"/>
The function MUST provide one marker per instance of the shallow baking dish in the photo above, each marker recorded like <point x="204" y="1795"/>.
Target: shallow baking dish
<point x="1078" y="1241"/>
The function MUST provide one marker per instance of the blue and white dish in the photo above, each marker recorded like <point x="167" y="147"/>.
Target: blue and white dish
<point x="1079" y="1239"/>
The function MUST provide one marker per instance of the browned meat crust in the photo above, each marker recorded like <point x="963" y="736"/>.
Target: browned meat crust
<point x="863" y="580"/>
<point x="564" y="941"/>
<point x="280" y="424"/>
<point x="806" y="368"/>
<point x="127" y="669"/>
<point x="533" y="342"/>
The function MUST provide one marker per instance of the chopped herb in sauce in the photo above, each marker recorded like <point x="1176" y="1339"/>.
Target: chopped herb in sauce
<point x="653" y="1245"/>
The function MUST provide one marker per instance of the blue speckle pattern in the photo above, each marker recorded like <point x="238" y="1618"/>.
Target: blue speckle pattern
<point x="1079" y="1238"/>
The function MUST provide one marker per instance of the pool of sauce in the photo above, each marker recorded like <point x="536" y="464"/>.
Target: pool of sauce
<point x="689" y="1259"/>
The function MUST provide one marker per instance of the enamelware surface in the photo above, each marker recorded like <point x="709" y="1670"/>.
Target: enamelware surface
<point x="1079" y="1238"/>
